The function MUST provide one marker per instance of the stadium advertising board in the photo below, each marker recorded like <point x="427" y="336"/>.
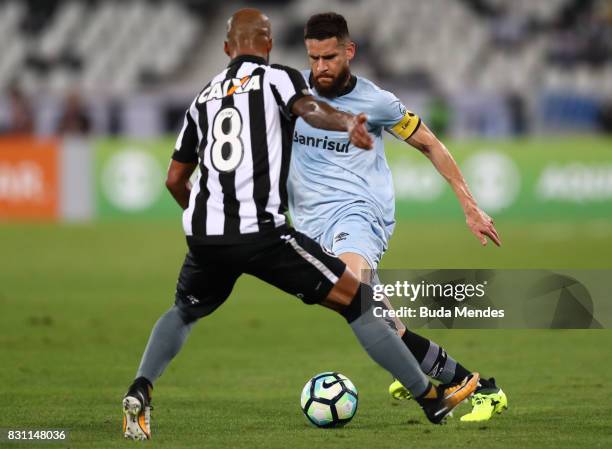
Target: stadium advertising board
<point x="546" y="180"/>
<point x="29" y="181"/>
<point x="130" y="178"/>
<point x="535" y="180"/>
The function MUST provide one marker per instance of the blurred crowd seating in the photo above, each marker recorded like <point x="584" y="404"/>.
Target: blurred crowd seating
<point x="505" y="62"/>
<point x="107" y="46"/>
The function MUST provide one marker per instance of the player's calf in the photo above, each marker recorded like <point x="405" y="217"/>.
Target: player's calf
<point x="386" y="348"/>
<point x="380" y="341"/>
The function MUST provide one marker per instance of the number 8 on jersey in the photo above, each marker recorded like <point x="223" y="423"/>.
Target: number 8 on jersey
<point x="227" y="149"/>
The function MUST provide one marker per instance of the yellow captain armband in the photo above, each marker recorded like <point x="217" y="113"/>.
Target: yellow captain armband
<point x="406" y="127"/>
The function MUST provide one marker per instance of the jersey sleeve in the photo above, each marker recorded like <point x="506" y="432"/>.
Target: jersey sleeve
<point x="288" y="86"/>
<point x="186" y="147"/>
<point x="391" y="114"/>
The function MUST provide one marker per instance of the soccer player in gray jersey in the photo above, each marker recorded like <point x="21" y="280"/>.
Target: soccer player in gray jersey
<point x="343" y="198"/>
<point x="237" y="130"/>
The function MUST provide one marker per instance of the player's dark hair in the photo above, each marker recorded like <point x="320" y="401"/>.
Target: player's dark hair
<point x="325" y="26"/>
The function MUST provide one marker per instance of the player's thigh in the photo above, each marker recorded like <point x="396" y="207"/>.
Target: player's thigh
<point x="204" y="283"/>
<point x="358" y="265"/>
<point x="360" y="246"/>
<point x="299" y="266"/>
<point x="359" y="234"/>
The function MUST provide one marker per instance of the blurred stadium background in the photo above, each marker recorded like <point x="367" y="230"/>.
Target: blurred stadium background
<point x="473" y="67"/>
<point x="92" y="94"/>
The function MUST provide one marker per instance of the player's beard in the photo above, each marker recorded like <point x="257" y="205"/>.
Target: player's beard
<point x="332" y="90"/>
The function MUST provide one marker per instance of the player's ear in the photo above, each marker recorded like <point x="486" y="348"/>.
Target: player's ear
<point x="226" y="48"/>
<point x="351" y="47"/>
<point x="268" y="49"/>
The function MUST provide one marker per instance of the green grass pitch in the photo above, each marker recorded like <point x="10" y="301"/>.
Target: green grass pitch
<point x="77" y="304"/>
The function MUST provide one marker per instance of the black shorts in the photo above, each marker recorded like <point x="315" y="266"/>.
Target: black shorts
<point x="286" y="259"/>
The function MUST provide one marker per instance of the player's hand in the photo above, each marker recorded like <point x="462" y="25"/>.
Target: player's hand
<point x="358" y="133"/>
<point x="482" y="227"/>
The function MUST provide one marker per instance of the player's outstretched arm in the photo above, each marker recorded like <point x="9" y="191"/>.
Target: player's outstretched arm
<point x="477" y="220"/>
<point x="178" y="183"/>
<point x="319" y="114"/>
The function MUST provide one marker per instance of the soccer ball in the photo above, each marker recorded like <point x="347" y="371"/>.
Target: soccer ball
<point x="329" y="400"/>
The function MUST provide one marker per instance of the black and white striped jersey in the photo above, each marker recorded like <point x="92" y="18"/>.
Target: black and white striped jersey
<point x="239" y="130"/>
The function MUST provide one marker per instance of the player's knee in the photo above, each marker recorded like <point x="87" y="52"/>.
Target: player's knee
<point x="189" y="307"/>
<point x="185" y="315"/>
<point x="358" y="265"/>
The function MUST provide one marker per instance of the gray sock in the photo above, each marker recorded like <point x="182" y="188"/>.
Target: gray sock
<point x="166" y="340"/>
<point x="387" y="349"/>
<point x="394" y="322"/>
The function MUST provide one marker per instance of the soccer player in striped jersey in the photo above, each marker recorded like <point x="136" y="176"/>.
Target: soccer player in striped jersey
<point x="238" y="131"/>
<point x="343" y="197"/>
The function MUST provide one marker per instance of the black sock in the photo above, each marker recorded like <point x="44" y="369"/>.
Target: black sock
<point x="434" y="360"/>
<point x="142" y="384"/>
<point x="486" y="383"/>
<point x="417" y="344"/>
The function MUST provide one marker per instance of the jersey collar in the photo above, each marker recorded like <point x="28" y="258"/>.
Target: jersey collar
<point x="347" y="89"/>
<point x="248" y="58"/>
